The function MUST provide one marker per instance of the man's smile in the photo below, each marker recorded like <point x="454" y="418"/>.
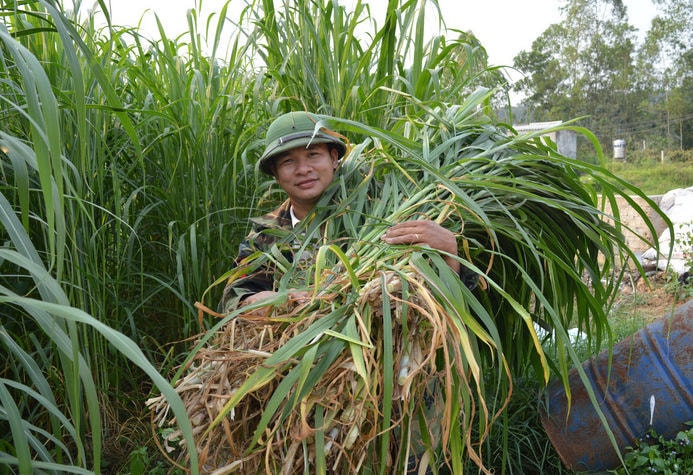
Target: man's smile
<point x="306" y="183"/>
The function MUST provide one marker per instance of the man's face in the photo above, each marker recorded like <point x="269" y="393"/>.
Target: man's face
<point x="305" y="173"/>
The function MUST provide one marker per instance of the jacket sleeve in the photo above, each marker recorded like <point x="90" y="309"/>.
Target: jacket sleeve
<point x="240" y="287"/>
<point x="469" y="278"/>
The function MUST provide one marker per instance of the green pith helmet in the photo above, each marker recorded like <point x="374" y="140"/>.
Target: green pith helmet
<point x="295" y="129"/>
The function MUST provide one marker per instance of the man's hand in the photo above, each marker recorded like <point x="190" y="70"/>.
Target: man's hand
<point x="423" y="232"/>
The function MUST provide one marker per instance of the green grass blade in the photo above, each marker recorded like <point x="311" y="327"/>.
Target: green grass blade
<point x="20" y="439"/>
<point x="388" y="379"/>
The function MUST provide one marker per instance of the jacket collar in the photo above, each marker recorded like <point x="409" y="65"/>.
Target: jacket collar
<point x="280" y="218"/>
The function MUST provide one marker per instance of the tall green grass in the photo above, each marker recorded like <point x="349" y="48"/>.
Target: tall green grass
<point x="127" y="176"/>
<point x="533" y="233"/>
<point x="52" y="405"/>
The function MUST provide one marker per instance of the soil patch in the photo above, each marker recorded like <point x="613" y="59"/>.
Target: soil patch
<point x="654" y="297"/>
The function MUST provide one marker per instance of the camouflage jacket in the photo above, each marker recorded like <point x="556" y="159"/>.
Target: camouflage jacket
<point x="266" y="231"/>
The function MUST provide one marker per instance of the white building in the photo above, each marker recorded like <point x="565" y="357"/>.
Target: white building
<point x="565" y="140"/>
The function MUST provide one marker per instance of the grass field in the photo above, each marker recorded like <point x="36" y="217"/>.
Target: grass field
<point x="655" y="178"/>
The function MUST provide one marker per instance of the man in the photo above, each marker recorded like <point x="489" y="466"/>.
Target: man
<point x="303" y="158"/>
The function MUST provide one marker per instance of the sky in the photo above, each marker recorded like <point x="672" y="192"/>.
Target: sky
<point x="504" y="27"/>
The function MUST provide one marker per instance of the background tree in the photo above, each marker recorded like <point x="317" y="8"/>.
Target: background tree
<point x="589" y="65"/>
<point x="545" y="84"/>
<point x="665" y="77"/>
<point x="580" y="67"/>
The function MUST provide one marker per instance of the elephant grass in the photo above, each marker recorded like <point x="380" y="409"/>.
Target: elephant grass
<point x="395" y="358"/>
<point x="127" y="177"/>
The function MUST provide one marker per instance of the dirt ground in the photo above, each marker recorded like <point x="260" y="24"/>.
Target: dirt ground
<point x="654" y="298"/>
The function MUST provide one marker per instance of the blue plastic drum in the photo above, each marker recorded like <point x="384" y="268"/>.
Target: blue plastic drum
<point x="650" y="384"/>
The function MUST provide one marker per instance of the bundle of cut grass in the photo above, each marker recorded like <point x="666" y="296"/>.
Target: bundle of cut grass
<point x="392" y="361"/>
<point x="345" y="398"/>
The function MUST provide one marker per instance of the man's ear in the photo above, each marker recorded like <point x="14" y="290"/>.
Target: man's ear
<point x="335" y="158"/>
